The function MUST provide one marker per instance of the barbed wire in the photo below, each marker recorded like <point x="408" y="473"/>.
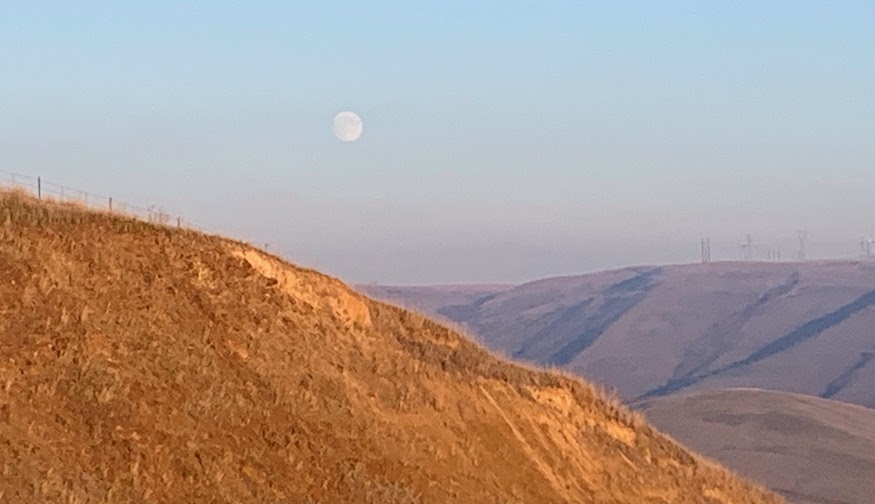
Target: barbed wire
<point x="51" y="191"/>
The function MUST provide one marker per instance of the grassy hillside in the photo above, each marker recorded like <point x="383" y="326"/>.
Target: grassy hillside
<point x="148" y="364"/>
<point x="815" y="451"/>
<point x="803" y="327"/>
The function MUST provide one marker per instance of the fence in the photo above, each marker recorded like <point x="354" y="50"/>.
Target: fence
<point x="51" y="191"/>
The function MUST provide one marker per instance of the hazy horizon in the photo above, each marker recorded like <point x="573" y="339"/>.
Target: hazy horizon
<point x="502" y="142"/>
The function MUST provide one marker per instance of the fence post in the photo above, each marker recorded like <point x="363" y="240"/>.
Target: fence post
<point x="110" y="204"/>
<point x="39" y="188"/>
<point x="178" y="222"/>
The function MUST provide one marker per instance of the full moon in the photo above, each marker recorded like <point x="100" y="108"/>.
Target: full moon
<point x="347" y="126"/>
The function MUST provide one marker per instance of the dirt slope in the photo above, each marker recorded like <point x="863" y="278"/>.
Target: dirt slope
<point x="813" y="450"/>
<point x="149" y="364"/>
<point x="650" y="331"/>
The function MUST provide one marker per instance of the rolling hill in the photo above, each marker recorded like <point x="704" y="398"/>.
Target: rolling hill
<point x="143" y="363"/>
<point x="431" y="299"/>
<point x="813" y="450"/>
<point x="804" y="327"/>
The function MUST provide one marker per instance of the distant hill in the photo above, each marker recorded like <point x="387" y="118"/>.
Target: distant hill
<point x="142" y="363"/>
<point x="813" y="450"/>
<point x="801" y="327"/>
<point x="430" y="299"/>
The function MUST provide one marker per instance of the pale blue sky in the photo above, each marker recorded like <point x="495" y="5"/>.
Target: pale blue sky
<point x="504" y="141"/>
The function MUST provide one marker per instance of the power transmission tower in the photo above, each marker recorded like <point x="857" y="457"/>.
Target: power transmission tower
<point x="747" y="249"/>
<point x="706" y="250"/>
<point x="802" y="235"/>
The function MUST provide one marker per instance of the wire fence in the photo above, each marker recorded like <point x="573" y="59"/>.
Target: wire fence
<point x="50" y="191"/>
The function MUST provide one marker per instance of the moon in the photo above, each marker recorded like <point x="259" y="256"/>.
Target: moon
<point x="347" y="126"/>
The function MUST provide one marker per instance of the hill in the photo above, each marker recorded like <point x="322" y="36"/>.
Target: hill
<point x="147" y="363"/>
<point x="649" y="331"/>
<point x="813" y="450"/>
<point x="430" y="299"/>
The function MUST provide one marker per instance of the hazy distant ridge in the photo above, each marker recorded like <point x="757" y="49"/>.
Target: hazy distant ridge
<point x="801" y="327"/>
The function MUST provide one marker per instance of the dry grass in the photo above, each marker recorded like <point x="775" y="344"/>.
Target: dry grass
<point x="146" y="363"/>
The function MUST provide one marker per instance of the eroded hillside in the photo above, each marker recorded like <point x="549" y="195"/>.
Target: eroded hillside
<point x="144" y="363"/>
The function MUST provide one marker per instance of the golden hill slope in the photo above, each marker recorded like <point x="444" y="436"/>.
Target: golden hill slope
<point x="141" y="363"/>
